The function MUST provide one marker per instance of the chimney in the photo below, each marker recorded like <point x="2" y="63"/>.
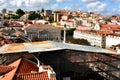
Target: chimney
<point x="38" y="64"/>
<point x="50" y="71"/>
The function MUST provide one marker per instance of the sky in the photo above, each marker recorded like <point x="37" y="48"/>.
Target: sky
<point x="104" y="7"/>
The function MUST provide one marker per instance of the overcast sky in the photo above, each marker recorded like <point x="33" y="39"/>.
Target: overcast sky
<point x="106" y="7"/>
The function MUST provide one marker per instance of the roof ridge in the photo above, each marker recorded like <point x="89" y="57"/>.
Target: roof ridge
<point x="32" y="73"/>
<point x="11" y="74"/>
<point x="5" y="69"/>
<point x="29" y="61"/>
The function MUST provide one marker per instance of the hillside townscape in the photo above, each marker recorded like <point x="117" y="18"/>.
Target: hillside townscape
<point x="59" y="45"/>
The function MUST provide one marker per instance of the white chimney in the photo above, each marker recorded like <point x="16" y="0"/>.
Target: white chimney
<point x="38" y="61"/>
<point x="38" y="64"/>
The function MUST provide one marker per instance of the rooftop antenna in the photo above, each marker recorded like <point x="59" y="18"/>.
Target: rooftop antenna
<point x="64" y="37"/>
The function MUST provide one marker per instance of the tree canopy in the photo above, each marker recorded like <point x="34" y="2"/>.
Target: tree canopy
<point x="77" y="41"/>
<point x="70" y="39"/>
<point x="51" y="19"/>
<point x="20" y="12"/>
<point x="42" y="10"/>
<point x="14" y="16"/>
<point x="34" y="15"/>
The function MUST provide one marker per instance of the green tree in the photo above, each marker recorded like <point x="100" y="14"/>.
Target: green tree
<point x="34" y="16"/>
<point x="51" y="19"/>
<point x="14" y="16"/>
<point x="42" y="10"/>
<point x="68" y="32"/>
<point x="20" y="12"/>
<point x="70" y="39"/>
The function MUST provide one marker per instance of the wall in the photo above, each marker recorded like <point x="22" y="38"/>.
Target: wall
<point x="95" y="40"/>
<point x="112" y="40"/>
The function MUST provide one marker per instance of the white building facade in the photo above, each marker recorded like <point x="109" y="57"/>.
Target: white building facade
<point x="101" y="35"/>
<point x="98" y="40"/>
<point x="94" y="39"/>
<point x="112" y="40"/>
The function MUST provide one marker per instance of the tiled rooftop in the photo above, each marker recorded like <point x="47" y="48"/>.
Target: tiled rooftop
<point x="104" y="28"/>
<point x="14" y="24"/>
<point x="5" y="69"/>
<point x="33" y="76"/>
<point x="10" y="74"/>
<point x="41" y="27"/>
<point x="110" y="27"/>
<point x="26" y="66"/>
<point x="23" y="69"/>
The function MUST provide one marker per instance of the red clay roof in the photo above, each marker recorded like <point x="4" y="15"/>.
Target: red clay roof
<point x="33" y="76"/>
<point x="96" y="32"/>
<point x="26" y="66"/>
<point x="24" y="70"/>
<point x="41" y="26"/>
<point x="68" y="21"/>
<point x="14" y="24"/>
<point x="83" y="27"/>
<point x="5" y="69"/>
<point x="110" y="27"/>
<point x="104" y="28"/>
<point x="10" y="75"/>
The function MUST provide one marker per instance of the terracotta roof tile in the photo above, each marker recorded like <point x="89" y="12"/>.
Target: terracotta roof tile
<point x="5" y="69"/>
<point x="27" y="66"/>
<point x="14" y="24"/>
<point x="83" y="27"/>
<point x="110" y="27"/>
<point x="10" y="75"/>
<point x="24" y="70"/>
<point x="33" y="76"/>
<point x="41" y="27"/>
<point x="68" y="20"/>
<point x="104" y="28"/>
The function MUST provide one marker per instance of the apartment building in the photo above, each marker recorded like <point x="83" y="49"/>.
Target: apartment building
<point x="61" y="14"/>
<point x="102" y="35"/>
<point x="48" y="13"/>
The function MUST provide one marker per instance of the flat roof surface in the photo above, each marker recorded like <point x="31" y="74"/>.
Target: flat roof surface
<point x="44" y="46"/>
